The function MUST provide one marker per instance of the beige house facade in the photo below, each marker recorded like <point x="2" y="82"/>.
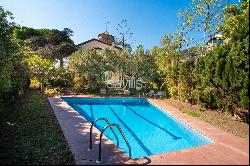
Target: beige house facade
<point x="103" y="40"/>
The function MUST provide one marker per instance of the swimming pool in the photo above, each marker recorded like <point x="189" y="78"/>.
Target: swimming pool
<point x="148" y="129"/>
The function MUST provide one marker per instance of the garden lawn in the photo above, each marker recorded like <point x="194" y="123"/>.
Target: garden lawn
<point x="30" y="133"/>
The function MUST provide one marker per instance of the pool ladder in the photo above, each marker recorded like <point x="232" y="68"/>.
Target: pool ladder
<point x="109" y="125"/>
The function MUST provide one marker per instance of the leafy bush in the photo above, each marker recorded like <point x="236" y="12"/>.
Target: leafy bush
<point x="13" y="73"/>
<point x="172" y="81"/>
<point x="61" y="78"/>
<point x="205" y="92"/>
<point x="88" y="67"/>
<point x="218" y="80"/>
<point x="39" y="68"/>
<point x="79" y="84"/>
<point x="221" y="78"/>
<point x="185" y="81"/>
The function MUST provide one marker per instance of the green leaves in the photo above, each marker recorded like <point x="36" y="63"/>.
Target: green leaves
<point x="39" y="68"/>
<point x="203" y="16"/>
<point x="13" y="73"/>
<point x="222" y="81"/>
<point x="51" y="43"/>
<point x="237" y="21"/>
<point x="220" y="78"/>
<point x="90" y="65"/>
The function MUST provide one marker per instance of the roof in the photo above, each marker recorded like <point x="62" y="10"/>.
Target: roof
<point x="105" y="34"/>
<point x="94" y="39"/>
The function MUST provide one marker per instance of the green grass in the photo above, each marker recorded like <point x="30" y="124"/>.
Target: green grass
<point x="30" y="133"/>
<point x="194" y="114"/>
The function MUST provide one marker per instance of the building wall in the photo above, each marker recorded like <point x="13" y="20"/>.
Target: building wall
<point x="94" y="44"/>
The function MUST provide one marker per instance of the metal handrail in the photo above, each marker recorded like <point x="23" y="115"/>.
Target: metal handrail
<point x="100" y="144"/>
<point x="91" y="128"/>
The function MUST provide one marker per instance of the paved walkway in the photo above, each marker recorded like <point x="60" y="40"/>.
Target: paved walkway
<point x="226" y="149"/>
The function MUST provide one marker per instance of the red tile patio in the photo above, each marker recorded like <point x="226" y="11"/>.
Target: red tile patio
<point x="227" y="149"/>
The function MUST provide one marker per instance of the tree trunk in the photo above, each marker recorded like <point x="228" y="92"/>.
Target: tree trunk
<point x="123" y="41"/>
<point x="178" y="59"/>
<point x="42" y="85"/>
<point x="61" y="62"/>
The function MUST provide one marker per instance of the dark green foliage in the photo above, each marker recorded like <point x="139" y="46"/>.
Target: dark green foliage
<point x="61" y="78"/>
<point x="185" y="79"/>
<point x="51" y="43"/>
<point x="24" y="33"/>
<point x="172" y="81"/>
<point x="221" y="78"/>
<point x="204" y="71"/>
<point x="13" y="73"/>
<point x="218" y="80"/>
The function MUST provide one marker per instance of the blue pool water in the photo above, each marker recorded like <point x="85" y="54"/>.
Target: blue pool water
<point x="148" y="129"/>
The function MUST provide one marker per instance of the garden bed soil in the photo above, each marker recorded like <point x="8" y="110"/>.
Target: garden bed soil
<point x="221" y="120"/>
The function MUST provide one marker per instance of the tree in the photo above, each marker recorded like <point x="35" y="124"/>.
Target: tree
<point x="236" y="22"/>
<point x="52" y="44"/>
<point x="13" y="75"/>
<point x="203" y="16"/>
<point x="61" y="78"/>
<point x="171" y="47"/>
<point x="185" y="81"/>
<point x="142" y="64"/>
<point x="60" y="43"/>
<point x="221" y="77"/>
<point x="236" y="29"/>
<point x="167" y="60"/>
<point x="125" y="34"/>
<point x="63" y="50"/>
<point x="39" y="68"/>
<point x="90" y="66"/>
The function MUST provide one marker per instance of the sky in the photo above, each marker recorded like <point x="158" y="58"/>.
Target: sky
<point x="149" y="20"/>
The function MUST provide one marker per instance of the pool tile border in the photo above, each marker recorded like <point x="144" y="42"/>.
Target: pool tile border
<point x="226" y="149"/>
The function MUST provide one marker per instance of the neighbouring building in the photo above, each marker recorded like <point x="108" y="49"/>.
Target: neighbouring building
<point x="215" y="40"/>
<point x="193" y="52"/>
<point x="103" y="40"/>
